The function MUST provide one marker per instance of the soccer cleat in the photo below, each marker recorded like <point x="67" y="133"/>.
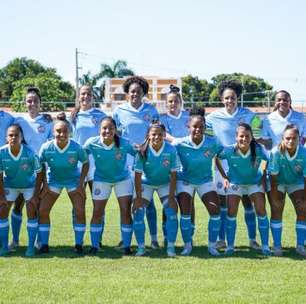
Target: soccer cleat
<point x="100" y="245"/>
<point x="37" y="245"/>
<point x="4" y="252"/>
<point x="229" y="251"/>
<point x="127" y="251"/>
<point x="120" y="245"/>
<point x="165" y="243"/>
<point x="254" y="245"/>
<point x="30" y="252"/>
<point x="187" y="250"/>
<point x="277" y="251"/>
<point x="213" y="251"/>
<point x="13" y="245"/>
<point x="171" y="252"/>
<point x="220" y="244"/>
<point x="44" y="249"/>
<point x="154" y="245"/>
<point x="78" y="249"/>
<point x="301" y="250"/>
<point x="140" y="251"/>
<point x="93" y="251"/>
<point x="266" y="251"/>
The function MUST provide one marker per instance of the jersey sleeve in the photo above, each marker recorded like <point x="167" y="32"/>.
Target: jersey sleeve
<point x="174" y="164"/>
<point x="117" y="120"/>
<point x="36" y="164"/>
<point x="86" y="146"/>
<point x="223" y="153"/>
<point x="1" y="165"/>
<point x="155" y="114"/>
<point x="82" y="155"/>
<point x="138" y="163"/>
<point x="131" y="149"/>
<point x="274" y="163"/>
<point x="303" y="133"/>
<point x="265" y="129"/>
<point x="50" y="131"/>
<point x="41" y="154"/>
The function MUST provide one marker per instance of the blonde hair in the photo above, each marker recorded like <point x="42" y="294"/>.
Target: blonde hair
<point x="282" y="146"/>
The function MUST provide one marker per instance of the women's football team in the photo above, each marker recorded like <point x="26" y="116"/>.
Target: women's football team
<point x="138" y="152"/>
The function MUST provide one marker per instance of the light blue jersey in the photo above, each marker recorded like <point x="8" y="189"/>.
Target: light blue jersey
<point x="224" y="125"/>
<point x="197" y="159"/>
<point x="274" y="125"/>
<point x="87" y="124"/>
<point x="290" y="170"/>
<point x="110" y="161"/>
<point x="6" y="120"/>
<point x="157" y="166"/>
<point x="63" y="163"/>
<point x="177" y="126"/>
<point x="36" y="131"/>
<point x="134" y="123"/>
<point x="241" y="170"/>
<point x="19" y="171"/>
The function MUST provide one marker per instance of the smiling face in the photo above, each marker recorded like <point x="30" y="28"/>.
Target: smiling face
<point x="107" y="131"/>
<point x="135" y="94"/>
<point x="13" y="136"/>
<point x="196" y="129"/>
<point x="173" y="104"/>
<point x="283" y="103"/>
<point x="156" y="137"/>
<point x="291" y="140"/>
<point x="32" y="104"/>
<point x="85" y="98"/>
<point x="243" y="139"/>
<point x="229" y="99"/>
<point x="61" y="133"/>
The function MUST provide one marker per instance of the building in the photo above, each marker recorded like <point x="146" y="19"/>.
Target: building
<point x="158" y="88"/>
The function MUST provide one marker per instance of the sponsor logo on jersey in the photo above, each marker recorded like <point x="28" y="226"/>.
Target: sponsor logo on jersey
<point x="41" y="129"/>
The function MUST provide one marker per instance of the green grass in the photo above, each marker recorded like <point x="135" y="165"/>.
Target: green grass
<point x="109" y="277"/>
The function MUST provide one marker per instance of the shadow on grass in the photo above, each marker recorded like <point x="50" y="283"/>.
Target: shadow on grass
<point x="110" y="252"/>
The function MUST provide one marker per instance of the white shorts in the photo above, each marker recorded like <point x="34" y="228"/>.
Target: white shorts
<point x="241" y="190"/>
<point x="58" y="190"/>
<point x="11" y="193"/>
<point x="182" y="186"/>
<point x="102" y="190"/>
<point x="218" y="179"/>
<point x="148" y="191"/>
<point x="287" y="188"/>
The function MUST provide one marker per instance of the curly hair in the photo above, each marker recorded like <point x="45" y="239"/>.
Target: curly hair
<point x="234" y="85"/>
<point x="136" y="79"/>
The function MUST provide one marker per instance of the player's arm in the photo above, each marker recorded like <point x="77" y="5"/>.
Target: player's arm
<point x="2" y="193"/>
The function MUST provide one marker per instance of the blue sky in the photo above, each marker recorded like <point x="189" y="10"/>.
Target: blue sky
<point x="163" y="38"/>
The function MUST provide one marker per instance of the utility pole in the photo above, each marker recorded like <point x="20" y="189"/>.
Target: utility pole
<point x="77" y="77"/>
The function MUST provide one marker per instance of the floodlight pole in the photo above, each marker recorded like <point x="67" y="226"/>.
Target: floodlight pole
<point x="76" y="77"/>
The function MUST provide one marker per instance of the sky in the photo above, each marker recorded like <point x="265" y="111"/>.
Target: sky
<point x="164" y="38"/>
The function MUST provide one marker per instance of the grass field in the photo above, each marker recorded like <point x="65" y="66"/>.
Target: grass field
<point x="109" y="277"/>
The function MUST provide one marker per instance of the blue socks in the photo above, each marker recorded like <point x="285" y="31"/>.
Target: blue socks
<point x="231" y="225"/>
<point x="171" y="225"/>
<point x="4" y="231"/>
<point x="250" y="220"/>
<point x="79" y="231"/>
<point x="185" y="225"/>
<point x="44" y="232"/>
<point x="213" y="228"/>
<point x="139" y="226"/>
<point x="152" y="220"/>
<point x="126" y="234"/>
<point x="95" y="234"/>
<point x="300" y="228"/>
<point x="102" y="225"/>
<point x="16" y="221"/>
<point x="276" y="228"/>
<point x="32" y="228"/>
<point x="263" y="227"/>
<point x="223" y="214"/>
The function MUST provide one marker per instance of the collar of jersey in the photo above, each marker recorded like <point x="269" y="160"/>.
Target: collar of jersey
<point x="133" y="109"/>
<point x="243" y="155"/>
<point x="106" y="147"/>
<point x="286" y="118"/>
<point x="290" y="158"/>
<point x="87" y="111"/>
<point x="18" y="155"/>
<point x="34" y="119"/>
<point x="158" y="153"/>
<point x="230" y="115"/>
<point x="194" y="145"/>
<point x="175" y="117"/>
<point x="59" y="149"/>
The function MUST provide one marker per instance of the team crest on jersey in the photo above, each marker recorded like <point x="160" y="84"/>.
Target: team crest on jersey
<point x="24" y="167"/>
<point x="94" y="120"/>
<point x="235" y="187"/>
<point x="147" y="117"/>
<point x="41" y="129"/>
<point x="71" y="160"/>
<point x="118" y="156"/>
<point x="97" y="191"/>
<point x="207" y="153"/>
<point x="298" y="168"/>
<point x="166" y="162"/>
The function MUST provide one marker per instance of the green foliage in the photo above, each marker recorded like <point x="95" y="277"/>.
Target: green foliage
<point x="195" y="89"/>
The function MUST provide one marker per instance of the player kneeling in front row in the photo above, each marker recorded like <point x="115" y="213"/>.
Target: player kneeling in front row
<point x="21" y="168"/>
<point x="61" y="156"/>
<point x="155" y="170"/>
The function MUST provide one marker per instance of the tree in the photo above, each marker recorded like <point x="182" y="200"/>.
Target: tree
<point x="195" y="89"/>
